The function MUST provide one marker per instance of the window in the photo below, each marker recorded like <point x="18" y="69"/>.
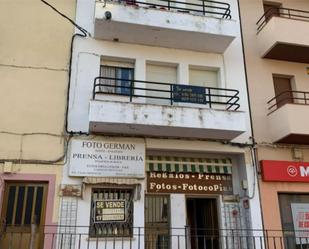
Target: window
<point x="111" y="213"/>
<point x="203" y="77"/>
<point x="161" y="73"/>
<point x="24" y="204"/>
<point x="285" y="202"/>
<point x="117" y="77"/>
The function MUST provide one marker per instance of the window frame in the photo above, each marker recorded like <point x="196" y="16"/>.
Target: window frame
<point x="94" y="227"/>
<point x="117" y="88"/>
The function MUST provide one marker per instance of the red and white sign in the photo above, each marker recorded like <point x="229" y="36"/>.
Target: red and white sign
<point x="285" y="171"/>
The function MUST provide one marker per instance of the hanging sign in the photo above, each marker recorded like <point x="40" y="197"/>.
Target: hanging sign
<point x="189" y="94"/>
<point x="109" y="211"/>
<point x="107" y="158"/>
<point x="194" y="183"/>
<point x="285" y="171"/>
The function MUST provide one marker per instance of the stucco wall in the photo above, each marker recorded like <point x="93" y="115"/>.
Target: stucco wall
<point x="35" y="52"/>
<point x="261" y="90"/>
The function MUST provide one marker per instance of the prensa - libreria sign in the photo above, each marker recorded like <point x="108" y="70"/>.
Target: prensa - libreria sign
<point x="108" y="157"/>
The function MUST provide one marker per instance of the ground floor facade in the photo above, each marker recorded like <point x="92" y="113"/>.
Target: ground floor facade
<point x="284" y="194"/>
<point x="124" y="192"/>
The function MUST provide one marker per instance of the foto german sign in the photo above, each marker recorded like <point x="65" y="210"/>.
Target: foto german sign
<point x="189" y="94"/>
<point x="109" y="211"/>
<point x="193" y="183"/>
<point x="285" y="171"/>
<point x="107" y="158"/>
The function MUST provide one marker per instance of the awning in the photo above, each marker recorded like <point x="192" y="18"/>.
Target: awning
<point x="188" y="165"/>
<point x="107" y="181"/>
<point x="111" y="181"/>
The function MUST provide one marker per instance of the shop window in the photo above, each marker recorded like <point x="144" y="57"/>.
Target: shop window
<point x="294" y="212"/>
<point x="117" y="77"/>
<point x="111" y="213"/>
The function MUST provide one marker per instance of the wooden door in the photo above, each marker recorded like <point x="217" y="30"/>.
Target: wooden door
<point x="283" y="90"/>
<point x="157" y="222"/>
<point x="203" y="223"/>
<point x="23" y="215"/>
<point x="271" y="10"/>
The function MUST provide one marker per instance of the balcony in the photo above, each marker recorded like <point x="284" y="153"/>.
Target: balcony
<point x="286" y="117"/>
<point x="166" y="23"/>
<point x="283" y="34"/>
<point x="164" y="110"/>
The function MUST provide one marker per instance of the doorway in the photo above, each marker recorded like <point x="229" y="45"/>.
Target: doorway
<point x="283" y="90"/>
<point x="202" y="220"/>
<point x="157" y="222"/>
<point x="23" y="215"/>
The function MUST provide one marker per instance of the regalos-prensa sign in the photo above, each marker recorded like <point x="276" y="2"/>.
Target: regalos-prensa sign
<point x="108" y="158"/>
<point x="285" y="171"/>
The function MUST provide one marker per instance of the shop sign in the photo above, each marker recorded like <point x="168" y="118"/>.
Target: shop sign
<point x="285" y="171"/>
<point x="70" y="190"/>
<point x="189" y="94"/>
<point x="193" y="183"/>
<point x="109" y="211"/>
<point x="300" y="213"/>
<point x="107" y="158"/>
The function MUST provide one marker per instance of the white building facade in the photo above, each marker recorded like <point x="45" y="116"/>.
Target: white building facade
<point x="164" y="157"/>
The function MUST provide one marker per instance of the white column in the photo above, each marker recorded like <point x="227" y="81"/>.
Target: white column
<point x="178" y="221"/>
<point x="183" y="74"/>
<point x="140" y="74"/>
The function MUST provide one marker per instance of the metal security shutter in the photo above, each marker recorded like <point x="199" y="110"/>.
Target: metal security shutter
<point x="204" y="78"/>
<point x="189" y="165"/>
<point x="161" y="74"/>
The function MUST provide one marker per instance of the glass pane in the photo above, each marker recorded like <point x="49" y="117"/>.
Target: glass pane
<point x="29" y="205"/>
<point x="10" y="205"/>
<point x="125" y="74"/>
<point x="19" y="206"/>
<point x="38" y="204"/>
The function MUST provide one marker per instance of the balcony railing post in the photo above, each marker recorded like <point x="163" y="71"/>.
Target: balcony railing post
<point x="131" y="90"/>
<point x="203" y="7"/>
<point x="209" y="98"/>
<point x="139" y="238"/>
<point x="187" y="236"/>
<point x="171" y="93"/>
<point x="168" y="4"/>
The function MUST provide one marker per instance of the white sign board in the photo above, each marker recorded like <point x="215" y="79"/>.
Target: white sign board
<point x="300" y="213"/>
<point x="107" y="158"/>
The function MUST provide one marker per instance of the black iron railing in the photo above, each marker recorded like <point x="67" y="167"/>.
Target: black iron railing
<point x="167" y="93"/>
<point x="77" y="237"/>
<point x="202" y="7"/>
<point x="288" y="97"/>
<point x="282" y="12"/>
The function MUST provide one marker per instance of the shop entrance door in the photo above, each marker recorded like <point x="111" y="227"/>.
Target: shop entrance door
<point x="202" y="220"/>
<point x="23" y="215"/>
<point x="157" y="222"/>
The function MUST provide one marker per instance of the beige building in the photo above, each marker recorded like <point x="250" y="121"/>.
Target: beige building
<point x="276" y="51"/>
<point x="34" y="61"/>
